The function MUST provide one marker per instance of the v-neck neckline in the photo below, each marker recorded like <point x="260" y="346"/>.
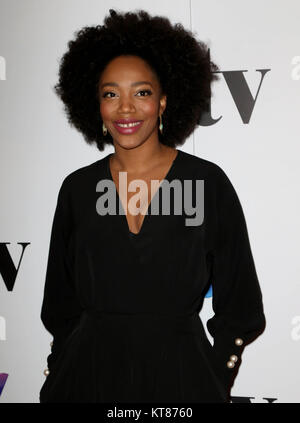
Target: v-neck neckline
<point x="146" y="216"/>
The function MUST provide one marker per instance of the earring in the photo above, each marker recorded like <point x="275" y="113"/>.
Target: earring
<point x="104" y="129"/>
<point x="161" y="125"/>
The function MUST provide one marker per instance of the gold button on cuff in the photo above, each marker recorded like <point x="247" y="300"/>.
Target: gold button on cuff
<point x="230" y="364"/>
<point x="238" y="341"/>
<point x="46" y="372"/>
<point x="234" y="358"/>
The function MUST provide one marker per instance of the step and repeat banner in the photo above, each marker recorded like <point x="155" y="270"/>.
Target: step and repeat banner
<point x="251" y="132"/>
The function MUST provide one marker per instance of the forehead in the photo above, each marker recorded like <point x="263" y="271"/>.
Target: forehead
<point x="128" y="68"/>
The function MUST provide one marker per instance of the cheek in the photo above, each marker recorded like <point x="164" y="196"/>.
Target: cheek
<point x="149" y="109"/>
<point x="105" y="110"/>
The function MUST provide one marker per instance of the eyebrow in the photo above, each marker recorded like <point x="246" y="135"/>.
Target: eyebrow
<point x="134" y="84"/>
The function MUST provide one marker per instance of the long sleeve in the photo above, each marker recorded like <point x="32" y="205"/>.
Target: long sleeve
<point x="60" y="308"/>
<point x="237" y="299"/>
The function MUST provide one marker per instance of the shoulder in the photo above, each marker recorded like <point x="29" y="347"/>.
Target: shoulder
<point x="206" y="168"/>
<point x="217" y="183"/>
<point x="80" y="178"/>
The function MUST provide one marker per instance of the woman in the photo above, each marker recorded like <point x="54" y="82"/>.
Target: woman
<point x="123" y="291"/>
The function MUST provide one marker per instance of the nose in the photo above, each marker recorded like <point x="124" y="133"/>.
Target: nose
<point x="126" y="104"/>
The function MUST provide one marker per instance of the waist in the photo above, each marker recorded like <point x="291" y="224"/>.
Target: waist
<point x="158" y="322"/>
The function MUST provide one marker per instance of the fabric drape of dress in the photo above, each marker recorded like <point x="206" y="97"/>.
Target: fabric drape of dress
<point x="123" y="308"/>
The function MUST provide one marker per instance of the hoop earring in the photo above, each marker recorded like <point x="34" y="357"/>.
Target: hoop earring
<point x="104" y="129"/>
<point x="161" y="125"/>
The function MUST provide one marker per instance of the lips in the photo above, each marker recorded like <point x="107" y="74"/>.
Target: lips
<point x="127" y="121"/>
<point x="128" y="130"/>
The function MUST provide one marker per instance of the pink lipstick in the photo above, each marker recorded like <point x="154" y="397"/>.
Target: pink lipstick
<point x="127" y="126"/>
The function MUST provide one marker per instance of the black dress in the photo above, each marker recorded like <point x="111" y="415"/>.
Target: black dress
<point x="123" y="308"/>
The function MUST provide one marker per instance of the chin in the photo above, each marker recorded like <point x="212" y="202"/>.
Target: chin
<point x="129" y="144"/>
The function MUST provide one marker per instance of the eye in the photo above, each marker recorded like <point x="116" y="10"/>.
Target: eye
<point x="145" y="91"/>
<point x="108" y="92"/>
<point x="149" y="92"/>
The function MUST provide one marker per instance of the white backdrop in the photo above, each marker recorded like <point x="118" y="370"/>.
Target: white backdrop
<point x="255" y="44"/>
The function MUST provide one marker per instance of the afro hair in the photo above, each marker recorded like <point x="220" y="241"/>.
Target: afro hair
<point x="181" y="63"/>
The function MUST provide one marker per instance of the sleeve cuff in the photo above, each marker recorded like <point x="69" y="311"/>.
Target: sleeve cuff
<point x="228" y="351"/>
